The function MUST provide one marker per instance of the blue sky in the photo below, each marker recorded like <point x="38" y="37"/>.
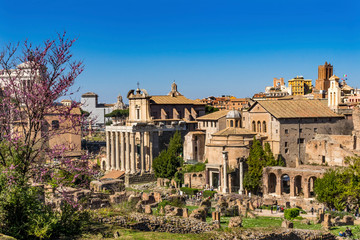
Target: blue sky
<point x="207" y="47"/>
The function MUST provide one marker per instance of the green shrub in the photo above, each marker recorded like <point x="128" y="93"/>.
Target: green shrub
<point x="198" y="167"/>
<point x="291" y="213"/>
<point x="189" y="191"/>
<point x="208" y="193"/>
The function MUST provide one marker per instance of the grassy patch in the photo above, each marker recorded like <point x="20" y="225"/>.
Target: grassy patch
<point x="132" y="234"/>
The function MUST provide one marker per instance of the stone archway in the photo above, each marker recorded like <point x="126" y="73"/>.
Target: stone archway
<point x="311" y="183"/>
<point x="272" y="183"/>
<point x="297" y="185"/>
<point x="285" y="184"/>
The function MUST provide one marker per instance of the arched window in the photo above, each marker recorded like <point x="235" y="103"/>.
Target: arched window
<point x="55" y="124"/>
<point x="231" y="123"/>
<point x="236" y="123"/>
<point x="259" y="126"/>
<point x="264" y="126"/>
<point x="253" y="126"/>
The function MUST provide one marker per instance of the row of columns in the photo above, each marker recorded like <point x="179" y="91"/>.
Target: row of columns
<point x="295" y="187"/>
<point x="122" y="153"/>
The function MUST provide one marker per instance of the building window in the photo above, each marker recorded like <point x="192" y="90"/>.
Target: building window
<point x="323" y="160"/>
<point x="253" y="126"/>
<point x="315" y="130"/>
<point x="301" y="140"/>
<point x="264" y="126"/>
<point x="138" y="114"/>
<point x="300" y="130"/>
<point x="214" y="124"/>
<point x="286" y="144"/>
<point x="286" y="131"/>
<point x="259" y="126"/>
<point x="231" y="123"/>
<point x="286" y="150"/>
<point x="55" y="124"/>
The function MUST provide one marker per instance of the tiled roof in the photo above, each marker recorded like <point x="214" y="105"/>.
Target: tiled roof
<point x="297" y="109"/>
<point x="234" y="131"/>
<point x="114" y="174"/>
<point x="89" y="94"/>
<point x="214" y="116"/>
<point x="165" y="99"/>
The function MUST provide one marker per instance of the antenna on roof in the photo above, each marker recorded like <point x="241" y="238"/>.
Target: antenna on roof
<point x="138" y="84"/>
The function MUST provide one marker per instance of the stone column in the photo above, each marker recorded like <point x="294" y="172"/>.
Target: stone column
<point x="198" y="149"/>
<point x="122" y="151"/>
<point x="292" y="187"/>
<point x="142" y="152"/>
<point x="278" y="185"/>
<point x="127" y="152"/>
<point x="108" y="153"/>
<point x="241" y="173"/>
<point x="306" y="188"/>
<point x="225" y="156"/>
<point x="150" y="150"/>
<point x="133" y="153"/>
<point x="112" y="150"/>
<point x="117" y="152"/>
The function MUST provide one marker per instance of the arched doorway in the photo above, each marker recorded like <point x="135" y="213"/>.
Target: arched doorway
<point x="285" y="184"/>
<point x="272" y="183"/>
<point x="311" y="183"/>
<point x="297" y="185"/>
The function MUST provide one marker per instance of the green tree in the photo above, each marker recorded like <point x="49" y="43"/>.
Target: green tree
<point x="259" y="158"/>
<point x="166" y="164"/>
<point x="340" y="187"/>
<point x="210" y="109"/>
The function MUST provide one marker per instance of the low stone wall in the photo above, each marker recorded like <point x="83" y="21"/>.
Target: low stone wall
<point x="280" y="234"/>
<point x="144" y="178"/>
<point x="143" y="222"/>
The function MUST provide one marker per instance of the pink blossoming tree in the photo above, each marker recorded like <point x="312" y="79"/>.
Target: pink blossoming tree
<point x="32" y="80"/>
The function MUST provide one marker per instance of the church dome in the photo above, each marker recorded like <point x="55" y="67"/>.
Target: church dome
<point x="233" y="114"/>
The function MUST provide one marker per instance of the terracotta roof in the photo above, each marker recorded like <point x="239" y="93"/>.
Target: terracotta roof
<point x="165" y="99"/>
<point x="297" y="109"/>
<point x="234" y="131"/>
<point x="114" y="174"/>
<point x="214" y="116"/>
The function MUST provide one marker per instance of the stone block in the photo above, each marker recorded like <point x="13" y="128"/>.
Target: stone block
<point x="287" y="224"/>
<point x="199" y="214"/>
<point x="157" y="197"/>
<point x="348" y="220"/>
<point x="235" y="222"/>
<point x="148" y="209"/>
<point x="327" y="221"/>
<point x="185" y="213"/>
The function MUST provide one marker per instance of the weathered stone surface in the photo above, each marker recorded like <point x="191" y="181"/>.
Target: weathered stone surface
<point x="287" y="224"/>
<point x="327" y="221"/>
<point x="148" y="209"/>
<point x="216" y="216"/>
<point x="235" y="222"/>
<point x="133" y="198"/>
<point x="206" y="203"/>
<point x="143" y="222"/>
<point x="185" y="213"/>
<point x="173" y="211"/>
<point x="348" y="220"/>
<point x="199" y="214"/>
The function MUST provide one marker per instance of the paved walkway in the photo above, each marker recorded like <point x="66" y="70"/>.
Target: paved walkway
<point x="268" y="213"/>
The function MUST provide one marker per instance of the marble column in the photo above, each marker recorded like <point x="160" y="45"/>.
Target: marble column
<point x="225" y="156"/>
<point x="108" y="153"/>
<point x="133" y="153"/>
<point x="117" y="151"/>
<point x="278" y="186"/>
<point x="241" y="174"/>
<point x="122" y="151"/>
<point x="142" y="153"/>
<point x="127" y="152"/>
<point x="150" y="150"/>
<point x="112" y="150"/>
